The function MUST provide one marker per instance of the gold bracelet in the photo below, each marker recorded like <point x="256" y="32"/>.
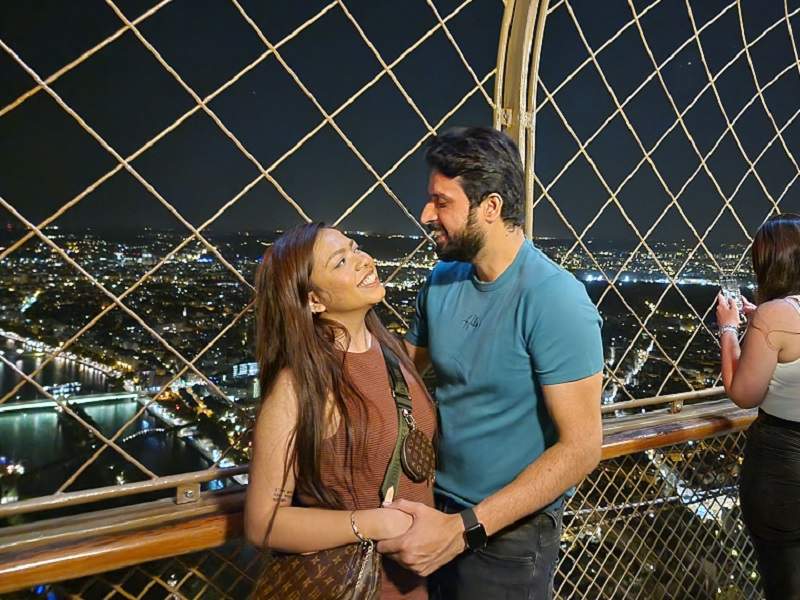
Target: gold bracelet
<point x="355" y="527"/>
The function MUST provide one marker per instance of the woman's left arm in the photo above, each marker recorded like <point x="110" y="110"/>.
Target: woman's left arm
<point x="746" y="370"/>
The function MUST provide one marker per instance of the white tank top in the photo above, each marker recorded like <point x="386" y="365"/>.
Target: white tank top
<point x="783" y="395"/>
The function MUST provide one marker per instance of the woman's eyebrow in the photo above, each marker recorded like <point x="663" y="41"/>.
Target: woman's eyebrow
<point x="339" y="251"/>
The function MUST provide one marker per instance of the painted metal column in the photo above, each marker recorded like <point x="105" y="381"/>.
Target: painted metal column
<point x="518" y="54"/>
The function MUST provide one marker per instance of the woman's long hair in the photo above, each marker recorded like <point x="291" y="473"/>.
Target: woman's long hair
<point x="290" y="336"/>
<point x="776" y="257"/>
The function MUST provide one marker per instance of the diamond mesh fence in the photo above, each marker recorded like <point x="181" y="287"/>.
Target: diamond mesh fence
<point x="666" y="132"/>
<point x="664" y="523"/>
<point x="687" y="145"/>
<point x="166" y="312"/>
<point x="225" y="572"/>
<point x="659" y="524"/>
<point x="681" y="123"/>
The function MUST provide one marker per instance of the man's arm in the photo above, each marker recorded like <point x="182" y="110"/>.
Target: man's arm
<point x="419" y="356"/>
<point x="575" y="410"/>
<point x="436" y="538"/>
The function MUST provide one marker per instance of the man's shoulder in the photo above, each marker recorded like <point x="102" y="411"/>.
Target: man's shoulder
<point x="540" y="274"/>
<point x="547" y="288"/>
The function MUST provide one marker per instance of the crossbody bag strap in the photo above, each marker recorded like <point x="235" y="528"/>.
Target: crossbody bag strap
<point x="794" y="300"/>
<point x="402" y="400"/>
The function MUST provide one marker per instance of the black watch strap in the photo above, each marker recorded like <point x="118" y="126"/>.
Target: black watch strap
<point x="474" y="533"/>
<point x="469" y="518"/>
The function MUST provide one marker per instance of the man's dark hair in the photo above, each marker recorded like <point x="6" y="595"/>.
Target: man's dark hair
<point x="485" y="161"/>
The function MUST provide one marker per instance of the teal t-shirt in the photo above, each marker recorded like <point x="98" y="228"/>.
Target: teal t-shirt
<point x="493" y="345"/>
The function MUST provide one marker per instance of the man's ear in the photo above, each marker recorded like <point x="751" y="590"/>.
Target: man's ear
<point x="315" y="304"/>
<point x="492" y="206"/>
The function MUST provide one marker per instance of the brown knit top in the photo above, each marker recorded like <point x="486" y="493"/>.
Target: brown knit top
<point x="361" y="488"/>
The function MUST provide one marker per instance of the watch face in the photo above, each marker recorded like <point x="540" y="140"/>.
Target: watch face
<point x="475" y="537"/>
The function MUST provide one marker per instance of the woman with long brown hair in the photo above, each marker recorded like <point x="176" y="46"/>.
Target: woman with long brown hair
<point x="328" y="423"/>
<point x="765" y="372"/>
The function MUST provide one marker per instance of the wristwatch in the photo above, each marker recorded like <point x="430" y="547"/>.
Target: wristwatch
<point x="474" y="534"/>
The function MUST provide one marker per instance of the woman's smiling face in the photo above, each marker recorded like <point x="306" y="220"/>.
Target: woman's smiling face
<point x="344" y="277"/>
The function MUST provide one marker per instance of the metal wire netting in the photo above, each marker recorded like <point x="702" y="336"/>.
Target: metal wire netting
<point x="652" y="525"/>
<point x="688" y="143"/>
<point x="663" y="342"/>
<point x="659" y="337"/>
<point x="118" y="312"/>
<point x="664" y="523"/>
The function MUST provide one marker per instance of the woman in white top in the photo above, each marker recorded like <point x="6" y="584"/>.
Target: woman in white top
<point x="765" y="372"/>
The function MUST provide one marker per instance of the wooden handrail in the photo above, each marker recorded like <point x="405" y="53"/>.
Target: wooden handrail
<point x="696" y="422"/>
<point x="59" y="549"/>
<point x="674" y="400"/>
<point x="65" y="499"/>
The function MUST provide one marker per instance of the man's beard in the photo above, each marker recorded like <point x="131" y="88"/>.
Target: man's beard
<point x="463" y="247"/>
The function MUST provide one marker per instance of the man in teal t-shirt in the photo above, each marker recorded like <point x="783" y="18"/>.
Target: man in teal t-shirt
<point x="515" y="343"/>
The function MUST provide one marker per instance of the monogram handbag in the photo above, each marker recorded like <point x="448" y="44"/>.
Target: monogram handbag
<point x="353" y="571"/>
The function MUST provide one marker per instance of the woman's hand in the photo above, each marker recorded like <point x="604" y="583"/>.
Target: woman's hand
<point x="748" y="308"/>
<point x="383" y="523"/>
<point x="394" y="522"/>
<point x="727" y="313"/>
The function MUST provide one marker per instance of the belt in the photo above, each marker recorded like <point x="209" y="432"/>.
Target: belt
<point x="769" y="419"/>
<point x="447" y="504"/>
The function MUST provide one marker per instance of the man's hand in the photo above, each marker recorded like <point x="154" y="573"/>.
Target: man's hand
<point x="435" y="538"/>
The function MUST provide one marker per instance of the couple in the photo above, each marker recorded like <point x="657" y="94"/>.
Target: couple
<point x="515" y="344"/>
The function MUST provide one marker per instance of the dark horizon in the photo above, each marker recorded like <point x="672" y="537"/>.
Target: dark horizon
<point x="10" y="234"/>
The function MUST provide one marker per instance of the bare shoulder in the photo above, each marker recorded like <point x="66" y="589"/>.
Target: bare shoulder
<point x="777" y="314"/>
<point x="280" y="402"/>
<point x="779" y="322"/>
<point x="284" y="382"/>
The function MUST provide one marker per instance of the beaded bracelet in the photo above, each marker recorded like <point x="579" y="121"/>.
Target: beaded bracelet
<point x="355" y="527"/>
<point x="732" y="328"/>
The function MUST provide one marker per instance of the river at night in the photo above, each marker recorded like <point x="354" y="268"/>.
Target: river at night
<point x="59" y="371"/>
<point x="51" y="446"/>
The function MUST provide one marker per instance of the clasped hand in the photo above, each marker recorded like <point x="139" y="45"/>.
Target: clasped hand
<point x="434" y="539"/>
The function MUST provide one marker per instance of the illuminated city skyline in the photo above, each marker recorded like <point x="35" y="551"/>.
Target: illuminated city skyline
<point x="191" y="297"/>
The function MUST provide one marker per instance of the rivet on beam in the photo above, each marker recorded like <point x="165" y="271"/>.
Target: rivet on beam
<point x="506" y="116"/>
<point x="186" y="493"/>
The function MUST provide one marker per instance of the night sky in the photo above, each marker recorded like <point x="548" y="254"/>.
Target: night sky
<point x="122" y="92"/>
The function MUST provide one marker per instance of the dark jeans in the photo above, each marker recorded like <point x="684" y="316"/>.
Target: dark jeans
<point x="769" y="492"/>
<point x="518" y="563"/>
